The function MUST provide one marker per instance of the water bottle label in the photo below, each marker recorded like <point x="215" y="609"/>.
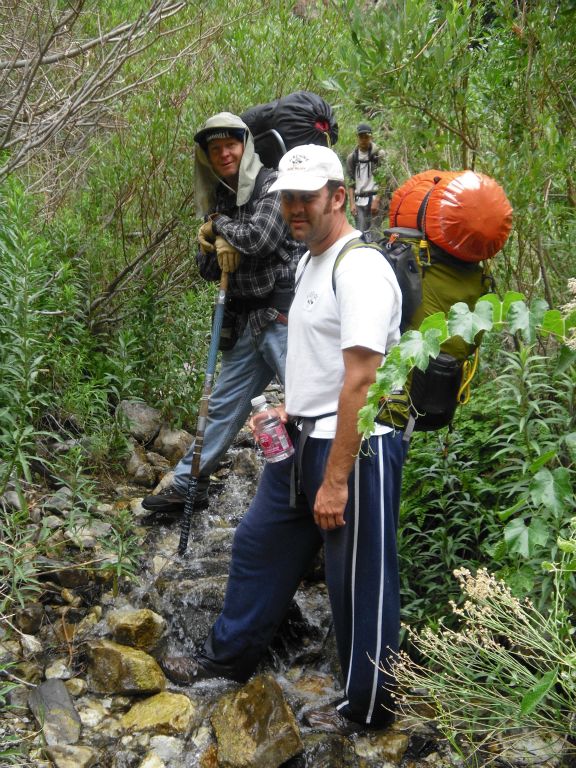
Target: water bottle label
<point x="275" y="441"/>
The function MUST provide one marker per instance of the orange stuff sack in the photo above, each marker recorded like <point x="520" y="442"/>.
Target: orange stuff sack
<point x="464" y="213"/>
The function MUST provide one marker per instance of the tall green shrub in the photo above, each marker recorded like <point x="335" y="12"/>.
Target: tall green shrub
<point x="481" y="85"/>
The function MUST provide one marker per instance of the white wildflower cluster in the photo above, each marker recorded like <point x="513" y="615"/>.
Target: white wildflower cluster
<point x="488" y="597"/>
<point x="477" y="680"/>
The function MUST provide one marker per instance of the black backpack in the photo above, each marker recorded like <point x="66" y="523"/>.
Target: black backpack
<point x="301" y="117"/>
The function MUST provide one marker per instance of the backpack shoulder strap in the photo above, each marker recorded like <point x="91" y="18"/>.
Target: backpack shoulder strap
<point x="351" y="245"/>
<point x="261" y="179"/>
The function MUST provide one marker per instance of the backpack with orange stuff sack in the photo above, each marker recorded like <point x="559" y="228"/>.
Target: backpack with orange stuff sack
<point x="445" y="227"/>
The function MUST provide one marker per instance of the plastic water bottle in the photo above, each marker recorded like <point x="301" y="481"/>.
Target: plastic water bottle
<point x="269" y="431"/>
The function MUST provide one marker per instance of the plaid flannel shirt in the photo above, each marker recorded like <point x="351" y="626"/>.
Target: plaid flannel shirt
<point x="268" y="255"/>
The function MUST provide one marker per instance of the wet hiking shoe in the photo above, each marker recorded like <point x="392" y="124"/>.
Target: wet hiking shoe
<point x="170" y="502"/>
<point x="183" y="670"/>
<point x="330" y="720"/>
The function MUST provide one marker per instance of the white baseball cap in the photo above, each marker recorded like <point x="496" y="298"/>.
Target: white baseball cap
<point x="307" y="168"/>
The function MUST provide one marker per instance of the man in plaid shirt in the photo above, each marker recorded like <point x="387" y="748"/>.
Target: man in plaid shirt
<point x="243" y="234"/>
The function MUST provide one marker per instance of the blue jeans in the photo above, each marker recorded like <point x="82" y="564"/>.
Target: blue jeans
<point x="245" y="372"/>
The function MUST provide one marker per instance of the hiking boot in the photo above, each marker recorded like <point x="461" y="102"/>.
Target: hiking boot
<point x="183" y="670"/>
<point x="330" y="720"/>
<point x="170" y="502"/>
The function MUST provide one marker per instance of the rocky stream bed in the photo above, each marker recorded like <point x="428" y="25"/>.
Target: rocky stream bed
<point x="85" y="653"/>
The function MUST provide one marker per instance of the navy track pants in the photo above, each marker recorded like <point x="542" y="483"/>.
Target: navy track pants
<point x="274" y="546"/>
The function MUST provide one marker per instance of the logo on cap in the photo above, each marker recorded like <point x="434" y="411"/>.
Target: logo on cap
<point x="297" y="162"/>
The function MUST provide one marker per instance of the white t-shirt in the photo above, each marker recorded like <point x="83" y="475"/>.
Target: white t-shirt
<point x="363" y="311"/>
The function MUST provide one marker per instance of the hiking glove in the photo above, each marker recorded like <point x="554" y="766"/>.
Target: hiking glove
<point x="206" y="238"/>
<point x="228" y="257"/>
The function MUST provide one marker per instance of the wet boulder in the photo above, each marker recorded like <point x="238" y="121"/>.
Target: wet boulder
<point x="192" y="604"/>
<point x="255" y="727"/>
<point x="142" y="628"/>
<point x="168" y="714"/>
<point x="115" y="668"/>
<point x="388" y="745"/>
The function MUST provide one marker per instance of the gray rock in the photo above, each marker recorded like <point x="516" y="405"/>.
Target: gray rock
<point x="172" y="443"/>
<point x="52" y="522"/>
<point x="527" y="749"/>
<point x="65" y="756"/>
<point x="255" y="728"/>
<point x="61" y="501"/>
<point x="88" y="536"/>
<point x="10" y="501"/>
<point x="30" y="645"/>
<point x="59" y="669"/>
<point x="29" y="618"/>
<point x="168" y="748"/>
<point x="192" y="604"/>
<point x="247" y="463"/>
<point x="55" y="712"/>
<point x="160" y="463"/>
<point x="143" y="422"/>
<point x="139" y="470"/>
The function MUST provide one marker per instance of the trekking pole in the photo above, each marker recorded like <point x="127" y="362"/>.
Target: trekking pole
<point x="203" y="415"/>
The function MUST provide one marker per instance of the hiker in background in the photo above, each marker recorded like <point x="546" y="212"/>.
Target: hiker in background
<point x="245" y="235"/>
<point x="336" y="490"/>
<point x="363" y="192"/>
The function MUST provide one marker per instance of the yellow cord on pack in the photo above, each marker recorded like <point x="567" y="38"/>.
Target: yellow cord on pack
<point x="468" y="372"/>
<point x="424" y="250"/>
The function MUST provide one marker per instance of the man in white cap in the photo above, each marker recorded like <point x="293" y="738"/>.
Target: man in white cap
<point x="338" y="490"/>
<point x="244" y="234"/>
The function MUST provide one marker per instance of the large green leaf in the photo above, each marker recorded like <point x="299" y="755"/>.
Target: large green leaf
<point x="524" y="539"/>
<point x="526" y="320"/>
<point x="462" y="322"/>
<point x="392" y="374"/>
<point x="570" y="443"/>
<point x="421" y="347"/>
<point x="437" y="321"/>
<point x="553" y="323"/>
<point x="566" y="359"/>
<point x="511" y="297"/>
<point x="504" y="514"/>
<point x="552" y="489"/>
<point x="496" y="305"/>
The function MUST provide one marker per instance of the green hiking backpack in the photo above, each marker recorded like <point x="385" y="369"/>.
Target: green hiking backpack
<point x="431" y="281"/>
<point x="429" y="398"/>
